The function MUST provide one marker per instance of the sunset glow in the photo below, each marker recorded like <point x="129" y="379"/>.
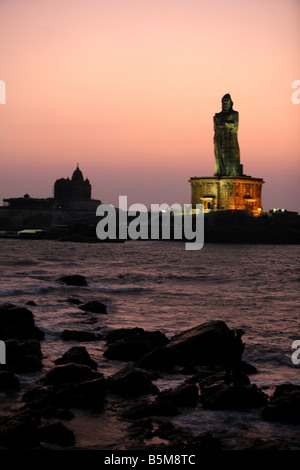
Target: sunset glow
<point x="128" y="89"/>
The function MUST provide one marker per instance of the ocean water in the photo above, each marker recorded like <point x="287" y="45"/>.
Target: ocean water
<point x="159" y="285"/>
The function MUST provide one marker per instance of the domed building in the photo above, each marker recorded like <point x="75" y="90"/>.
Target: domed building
<point x="75" y="189"/>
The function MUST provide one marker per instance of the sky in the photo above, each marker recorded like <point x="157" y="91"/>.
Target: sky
<point x="128" y="89"/>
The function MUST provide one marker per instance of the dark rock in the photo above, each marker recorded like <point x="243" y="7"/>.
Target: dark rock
<point x="188" y="370"/>
<point x="12" y="315"/>
<point x="39" y="398"/>
<point x="166" y="438"/>
<point x="141" y="429"/>
<point x="23" y="356"/>
<point x="204" y="344"/>
<point x="134" y="345"/>
<point x="284" y="404"/>
<point x="202" y="374"/>
<point x="247" y="368"/>
<point x="94" y="306"/>
<point x="156" y="408"/>
<point x="131" y="382"/>
<point x="8" y="381"/>
<point x="42" y="401"/>
<point x="77" y="355"/>
<point x="74" y="280"/>
<point x="180" y="439"/>
<point x="76" y="385"/>
<point x="216" y="377"/>
<point x="164" y="359"/>
<point x="121" y="333"/>
<point x="92" y="321"/>
<point x="86" y="394"/>
<point x="227" y="396"/>
<point x="18" y="323"/>
<point x="286" y="390"/>
<point x="127" y="350"/>
<point x="31" y="303"/>
<point x="64" y="414"/>
<point x="74" y="301"/>
<point x="56" y="433"/>
<point x="69" y="385"/>
<point x="19" y="431"/>
<point x="74" y="335"/>
<point x="69" y="374"/>
<point x="183" y="395"/>
<point x="257" y="444"/>
<point x="22" y="332"/>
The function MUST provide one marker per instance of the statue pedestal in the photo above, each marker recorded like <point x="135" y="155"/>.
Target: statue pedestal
<point x="227" y="193"/>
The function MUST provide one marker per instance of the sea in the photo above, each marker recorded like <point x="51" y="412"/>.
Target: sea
<point x="158" y="285"/>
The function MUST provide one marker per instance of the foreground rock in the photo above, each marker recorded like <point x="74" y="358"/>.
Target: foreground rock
<point x="19" y="431"/>
<point x="22" y="430"/>
<point x="94" y="306"/>
<point x="164" y="437"/>
<point x="208" y="378"/>
<point x="77" y="355"/>
<point x="133" y="344"/>
<point x="42" y="402"/>
<point x="255" y="444"/>
<point x="23" y="356"/>
<point x="284" y="404"/>
<point x="75" y="335"/>
<point x="75" y="391"/>
<point x="204" y="344"/>
<point x="183" y="395"/>
<point x="74" y="280"/>
<point x="162" y="359"/>
<point x="131" y="382"/>
<point x="21" y="336"/>
<point x="70" y="374"/>
<point x="75" y="385"/>
<point x="8" y="381"/>
<point x="18" y="323"/>
<point x="56" y="433"/>
<point x="154" y="408"/>
<point x="224" y="396"/>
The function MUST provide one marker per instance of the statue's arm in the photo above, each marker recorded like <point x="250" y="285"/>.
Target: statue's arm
<point x="233" y="123"/>
<point x="217" y="122"/>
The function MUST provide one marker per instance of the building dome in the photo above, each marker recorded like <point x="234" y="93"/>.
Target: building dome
<point x="76" y="189"/>
<point x="77" y="176"/>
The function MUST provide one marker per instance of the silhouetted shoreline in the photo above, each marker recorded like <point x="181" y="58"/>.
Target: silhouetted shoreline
<point x="219" y="227"/>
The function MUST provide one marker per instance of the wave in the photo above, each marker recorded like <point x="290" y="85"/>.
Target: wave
<point x="28" y="290"/>
<point x="24" y="262"/>
<point x="128" y="289"/>
<point x="176" y="277"/>
<point x="267" y="355"/>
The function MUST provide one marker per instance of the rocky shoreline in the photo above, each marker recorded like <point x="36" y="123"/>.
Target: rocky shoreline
<point x="40" y="420"/>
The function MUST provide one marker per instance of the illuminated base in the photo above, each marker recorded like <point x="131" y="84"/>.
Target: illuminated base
<point x="227" y="193"/>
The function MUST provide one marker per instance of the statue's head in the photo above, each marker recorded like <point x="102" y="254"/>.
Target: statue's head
<point x="227" y="102"/>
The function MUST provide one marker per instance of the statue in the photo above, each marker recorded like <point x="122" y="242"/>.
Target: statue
<point x="227" y="151"/>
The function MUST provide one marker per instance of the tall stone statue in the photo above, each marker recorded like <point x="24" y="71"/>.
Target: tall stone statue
<point x="227" y="151"/>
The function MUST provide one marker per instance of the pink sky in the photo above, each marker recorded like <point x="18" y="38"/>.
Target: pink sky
<point x="128" y="88"/>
